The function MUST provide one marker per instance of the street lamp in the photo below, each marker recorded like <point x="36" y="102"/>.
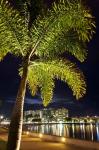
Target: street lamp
<point x="63" y="139"/>
<point x="40" y="135"/>
<point x="27" y="133"/>
<point x="1" y="117"/>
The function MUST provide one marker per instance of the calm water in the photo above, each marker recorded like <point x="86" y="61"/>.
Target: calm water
<point x="79" y="131"/>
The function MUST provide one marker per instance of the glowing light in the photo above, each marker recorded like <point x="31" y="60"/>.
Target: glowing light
<point x="91" y="127"/>
<point x="60" y="128"/>
<point x="97" y="129"/>
<point x="60" y="122"/>
<point x="73" y="128"/>
<point x="1" y="117"/>
<point x="40" y="135"/>
<point x="63" y="139"/>
<point x="27" y="133"/>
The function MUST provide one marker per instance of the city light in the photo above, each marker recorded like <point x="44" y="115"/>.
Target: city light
<point x="63" y="139"/>
<point x="1" y="117"/>
<point x="46" y="115"/>
<point x="27" y="133"/>
<point x="40" y="135"/>
<point x="60" y="122"/>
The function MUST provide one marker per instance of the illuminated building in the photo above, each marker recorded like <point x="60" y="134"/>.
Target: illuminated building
<point x="46" y="115"/>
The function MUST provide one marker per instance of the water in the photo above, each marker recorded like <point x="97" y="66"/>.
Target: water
<point x="78" y="131"/>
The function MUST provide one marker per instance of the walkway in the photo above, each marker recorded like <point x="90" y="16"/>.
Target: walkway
<point x="32" y="143"/>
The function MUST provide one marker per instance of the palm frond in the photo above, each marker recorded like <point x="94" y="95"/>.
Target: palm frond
<point x="69" y="73"/>
<point x="68" y="24"/>
<point x="39" y="77"/>
<point x="65" y="28"/>
<point x="42" y="74"/>
<point x="13" y="31"/>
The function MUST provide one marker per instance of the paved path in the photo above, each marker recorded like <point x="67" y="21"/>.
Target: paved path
<point x="38" y="144"/>
<point x="32" y="143"/>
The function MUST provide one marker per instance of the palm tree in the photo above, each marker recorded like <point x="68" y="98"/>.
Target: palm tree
<point x="66" y="27"/>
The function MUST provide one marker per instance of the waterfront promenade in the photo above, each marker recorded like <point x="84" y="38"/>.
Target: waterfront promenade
<point x="30" y="143"/>
<point x="36" y="143"/>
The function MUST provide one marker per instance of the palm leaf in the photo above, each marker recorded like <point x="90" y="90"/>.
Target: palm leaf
<point x="39" y="77"/>
<point x="65" y="28"/>
<point x="42" y="74"/>
<point x="13" y="31"/>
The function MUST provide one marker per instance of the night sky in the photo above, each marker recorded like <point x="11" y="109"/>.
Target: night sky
<point x="88" y="105"/>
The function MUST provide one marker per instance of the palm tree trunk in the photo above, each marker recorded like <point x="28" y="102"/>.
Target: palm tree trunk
<point x="15" y="130"/>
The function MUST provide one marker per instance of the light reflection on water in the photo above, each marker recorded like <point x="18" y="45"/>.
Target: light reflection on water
<point x="80" y="131"/>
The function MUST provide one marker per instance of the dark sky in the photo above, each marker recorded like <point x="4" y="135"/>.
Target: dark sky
<point x="89" y="104"/>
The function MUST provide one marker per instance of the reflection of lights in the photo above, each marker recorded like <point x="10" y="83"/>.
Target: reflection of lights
<point x="40" y="135"/>
<point x="67" y="131"/>
<point x="54" y="129"/>
<point x="73" y="129"/>
<point x="63" y="139"/>
<point x="97" y="130"/>
<point x="43" y="128"/>
<point x="91" y="126"/>
<point x="60" y="129"/>
<point x="84" y="130"/>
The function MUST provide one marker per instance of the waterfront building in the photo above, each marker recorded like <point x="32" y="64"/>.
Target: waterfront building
<point x="46" y="115"/>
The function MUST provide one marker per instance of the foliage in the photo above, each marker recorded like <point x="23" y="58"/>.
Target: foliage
<point x="42" y="74"/>
<point x="64" y="28"/>
<point x="13" y="31"/>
